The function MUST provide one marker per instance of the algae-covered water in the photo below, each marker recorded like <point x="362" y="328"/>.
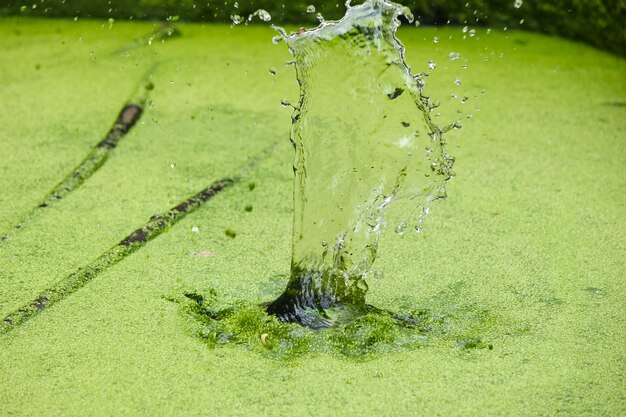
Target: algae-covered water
<point x="525" y="256"/>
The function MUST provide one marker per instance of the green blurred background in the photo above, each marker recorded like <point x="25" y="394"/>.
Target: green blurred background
<point x="598" y="22"/>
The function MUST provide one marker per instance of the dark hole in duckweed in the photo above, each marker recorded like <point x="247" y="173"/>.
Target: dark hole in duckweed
<point x="396" y="93"/>
<point x="40" y="303"/>
<point x="127" y="118"/>
<point x="130" y="115"/>
<point x="135" y="237"/>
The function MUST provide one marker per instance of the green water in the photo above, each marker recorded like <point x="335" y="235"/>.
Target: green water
<point x="368" y="158"/>
<point x="526" y="253"/>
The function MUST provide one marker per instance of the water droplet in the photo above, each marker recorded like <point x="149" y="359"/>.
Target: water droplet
<point x="518" y="3"/>
<point x="236" y="5"/>
<point x="310" y="9"/>
<point x="172" y="165"/>
<point x="320" y="18"/>
<point x="23" y="8"/>
<point x="421" y="83"/>
<point x="195" y="229"/>
<point x="432" y="65"/>
<point x="453" y="56"/>
<point x="236" y="19"/>
<point x="435" y="39"/>
<point x="401" y="228"/>
<point x="273" y="71"/>
<point x="472" y="33"/>
<point x="261" y="14"/>
<point x="285" y="102"/>
<point x="362" y="285"/>
<point x="465" y="28"/>
<point x="457" y="81"/>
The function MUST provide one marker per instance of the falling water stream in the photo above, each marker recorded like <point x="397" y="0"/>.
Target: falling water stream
<point x="368" y="159"/>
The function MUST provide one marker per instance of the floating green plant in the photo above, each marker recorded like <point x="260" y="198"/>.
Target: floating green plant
<point x="364" y="336"/>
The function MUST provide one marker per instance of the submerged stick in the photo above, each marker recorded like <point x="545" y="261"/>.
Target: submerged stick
<point x="131" y="243"/>
<point x="134" y="241"/>
<point x="127" y="118"/>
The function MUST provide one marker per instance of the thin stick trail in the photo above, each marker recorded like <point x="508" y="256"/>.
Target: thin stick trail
<point x="136" y="240"/>
<point x="129" y="115"/>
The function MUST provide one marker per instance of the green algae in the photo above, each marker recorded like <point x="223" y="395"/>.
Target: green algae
<point x="157" y="225"/>
<point x="526" y="224"/>
<point x="133" y="185"/>
<point x="364" y="336"/>
<point x="128" y="117"/>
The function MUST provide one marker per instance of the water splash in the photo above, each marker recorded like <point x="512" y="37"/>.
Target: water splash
<point x="261" y="14"/>
<point x="367" y="154"/>
<point x="246" y="325"/>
